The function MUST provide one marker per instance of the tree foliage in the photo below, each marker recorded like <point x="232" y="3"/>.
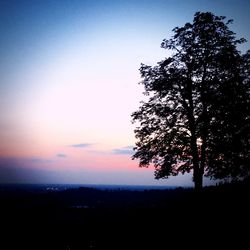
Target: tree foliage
<point x="197" y="115"/>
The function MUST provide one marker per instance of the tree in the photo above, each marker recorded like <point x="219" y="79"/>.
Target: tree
<point x="197" y="115"/>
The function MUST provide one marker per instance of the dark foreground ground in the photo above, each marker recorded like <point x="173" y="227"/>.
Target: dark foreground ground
<point x="84" y="218"/>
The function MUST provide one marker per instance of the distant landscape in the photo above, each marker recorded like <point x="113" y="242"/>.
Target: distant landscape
<point x="62" y="187"/>
<point x="35" y="217"/>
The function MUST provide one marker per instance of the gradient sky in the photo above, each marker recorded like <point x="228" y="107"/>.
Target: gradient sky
<point x="69" y="83"/>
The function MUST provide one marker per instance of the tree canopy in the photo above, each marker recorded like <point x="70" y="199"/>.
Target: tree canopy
<point x="197" y="116"/>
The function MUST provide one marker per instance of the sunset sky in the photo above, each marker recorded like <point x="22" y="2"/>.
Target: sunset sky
<point x="69" y="83"/>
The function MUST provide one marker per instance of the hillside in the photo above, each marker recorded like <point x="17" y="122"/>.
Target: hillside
<point x="87" y="218"/>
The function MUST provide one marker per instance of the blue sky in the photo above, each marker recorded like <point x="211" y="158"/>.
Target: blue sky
<point x="69" y="83"/>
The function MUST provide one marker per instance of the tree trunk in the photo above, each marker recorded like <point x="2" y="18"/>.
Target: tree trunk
<point x="198" y="173"/>
<point x="204" y="130"/>
<point x="198" y="179"/>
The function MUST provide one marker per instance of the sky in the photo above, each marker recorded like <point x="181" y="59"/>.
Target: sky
<point x="69" y="74"/>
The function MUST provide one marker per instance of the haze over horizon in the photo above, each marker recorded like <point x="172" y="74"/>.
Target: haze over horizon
<point x="69" y="83"/>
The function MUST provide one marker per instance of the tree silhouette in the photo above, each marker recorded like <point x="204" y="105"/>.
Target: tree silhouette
<point x="197" y="115"/>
